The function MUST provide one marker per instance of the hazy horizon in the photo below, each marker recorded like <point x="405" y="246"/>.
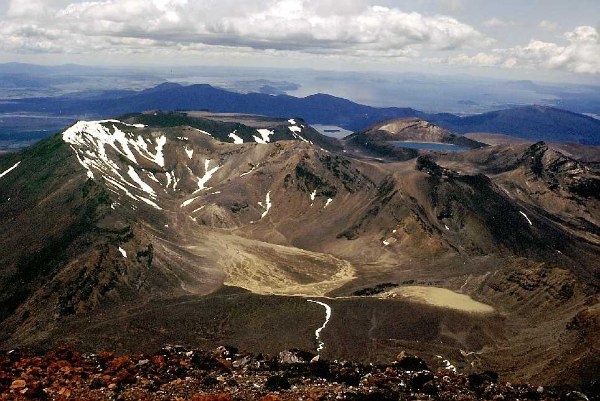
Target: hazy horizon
<point x="545" y="41"/>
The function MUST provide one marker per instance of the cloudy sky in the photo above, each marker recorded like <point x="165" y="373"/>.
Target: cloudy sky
<point x="545" y="39"/>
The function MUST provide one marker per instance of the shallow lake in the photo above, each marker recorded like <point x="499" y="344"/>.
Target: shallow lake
<point x="429" y="146"/>
<point x="441" y="297"/>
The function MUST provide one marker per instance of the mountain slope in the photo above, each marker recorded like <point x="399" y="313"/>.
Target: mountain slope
<point x="138" y="231"/>
<point x="115" y="185"/>
<point x="238" y="128"/>
<point x="537" y="123"/>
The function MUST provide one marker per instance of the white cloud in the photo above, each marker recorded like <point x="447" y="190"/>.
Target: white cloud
<point x="480" y="59"/>
<point x="579" y="55"/>
<point x="549" y="25"/>
<point x="33" y="8"/>
<point x="293" y="29"/>
<point x="497" y="23"/>
<point x="582" y="55"/>
<point x="306" y="26"/>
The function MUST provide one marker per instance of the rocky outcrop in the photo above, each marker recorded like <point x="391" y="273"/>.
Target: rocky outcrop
<point x="560" y="171"/>
<point x="191" y="374"/>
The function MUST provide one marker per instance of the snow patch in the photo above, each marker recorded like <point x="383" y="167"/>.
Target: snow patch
<point x="10" y="169"/>
<point x="159" y="157"/>
<point x="171" y="179"/>
<point x="248" y="172"/>
<point x="267" y="205"/>
<point x="189" y="152"/>
<point x="123" y="252"/>
<point x="111" y="181"/>
<point x="118" y="185"/>
<point x="236" y="139"/>
<point x="141" y="147"/>
<point x="329" y="200"/>
<point x="320" y="343"/>
<point x="313" y="194"/>
<point x="203" y="132"/>
<point x="197" y="210"/>
<point x="265" y="135"/>
<point x="125" y="124"/>
<point x="207" y="175"/>
<point x="142" y="185"/>
<point x="296" y="133"/>
<point x="187" y="202"/>
<point x="149" y="202"/>
<point x="152" y="177"/>
<point x="96" y="135"/>
<point x="526" y="218"/>
<point x="447" y="228"/>
<point x="89" y="141"/>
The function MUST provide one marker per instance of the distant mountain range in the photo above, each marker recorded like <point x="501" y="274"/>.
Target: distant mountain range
<point x="530" y="122"/>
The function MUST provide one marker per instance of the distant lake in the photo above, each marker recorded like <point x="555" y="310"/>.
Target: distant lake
<point x="331" y="130"/>
<point x="429" y="146"/>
